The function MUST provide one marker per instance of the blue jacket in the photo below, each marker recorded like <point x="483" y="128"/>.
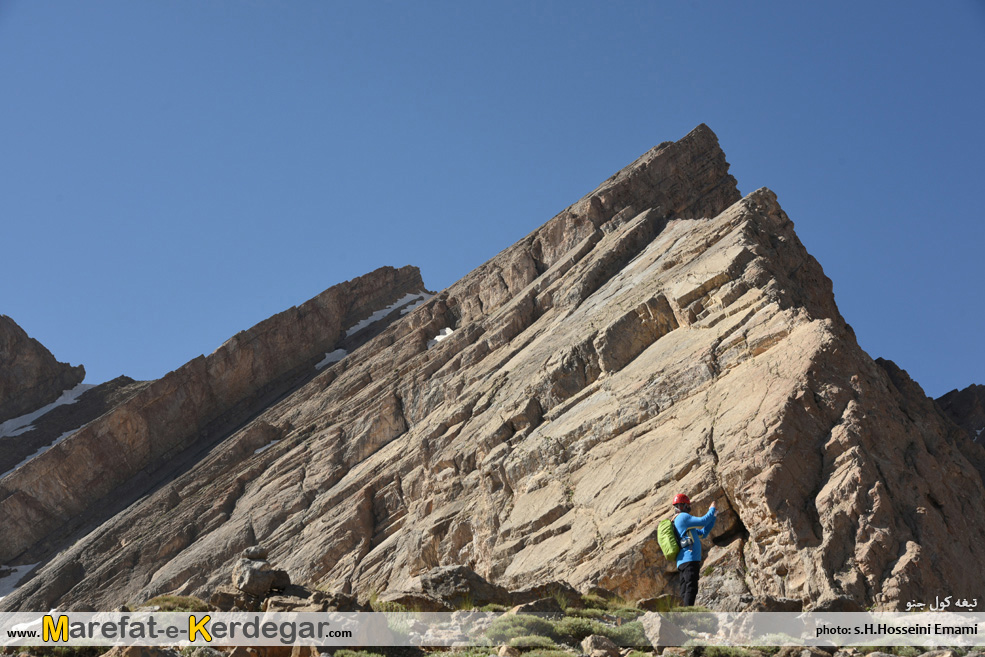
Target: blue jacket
<point x="690" y="531"/>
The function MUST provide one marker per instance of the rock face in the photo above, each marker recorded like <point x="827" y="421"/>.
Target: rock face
<point x="967" y="409"/>
<point x="61" y="421"/>
<point x="168" y="423"/>
<point x="661" y="335"/>
<point x="30" y="377"/>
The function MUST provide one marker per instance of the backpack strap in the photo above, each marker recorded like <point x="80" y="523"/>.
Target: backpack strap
<point x="688" y="540"/>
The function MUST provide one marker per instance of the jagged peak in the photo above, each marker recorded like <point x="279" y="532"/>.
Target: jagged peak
<point x="30" y="376"/>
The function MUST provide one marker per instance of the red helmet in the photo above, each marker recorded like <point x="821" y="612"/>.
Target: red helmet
<point x="681" y="498"/>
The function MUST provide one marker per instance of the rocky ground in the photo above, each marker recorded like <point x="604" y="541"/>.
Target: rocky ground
<point x="546" y="620"/>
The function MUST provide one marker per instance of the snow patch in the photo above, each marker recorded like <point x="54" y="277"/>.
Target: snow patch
<point x="414" y="306"/>
<point x="380" y="314"/>
<point x="266" y="447"/>
<point x="41" y="450"/>
<point x="444" y="333"/>
<point x="331" y="357"/>
<point x="9" y="583"/>
<point x="24" y="423"/>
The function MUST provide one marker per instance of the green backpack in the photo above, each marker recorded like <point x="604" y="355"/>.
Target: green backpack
<point x="667" y="538"/>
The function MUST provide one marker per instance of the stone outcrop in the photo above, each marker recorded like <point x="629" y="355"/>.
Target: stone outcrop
<point x="30" y="377"/>
<point x="967" y="409"/>
<point x="189" y="409"/>
<point x="663" y="334"/>
<point x="446" y="589"/>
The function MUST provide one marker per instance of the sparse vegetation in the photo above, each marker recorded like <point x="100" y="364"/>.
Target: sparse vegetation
<point x="628" y="634"/>
<point x="474" y="651"/>
<point x="356" y="653"/>
<point x="56" y="651"/>
<point x="588" y="613"/>
<point x="377" y="605"/>
<point x="727" y="651"/>
<point x="572" y="630"/>
<point x="590" y="601"/>
<point x="561" y="598"/>
<point x="693" y="619"/>
<point x="466" y="603"/>
<point x="512" y="626"/>
<point x="542" y="642"/>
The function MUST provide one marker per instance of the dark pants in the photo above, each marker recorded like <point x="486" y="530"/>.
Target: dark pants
<point x="690" y="571"/>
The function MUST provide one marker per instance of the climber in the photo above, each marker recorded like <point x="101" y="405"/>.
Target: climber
<point x="690" y="530"/>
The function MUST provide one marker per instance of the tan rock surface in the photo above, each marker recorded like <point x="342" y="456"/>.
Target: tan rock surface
<point x="660" y="335"/>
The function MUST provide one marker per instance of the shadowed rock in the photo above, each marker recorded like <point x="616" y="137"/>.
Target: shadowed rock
<point x="30" y="377"/>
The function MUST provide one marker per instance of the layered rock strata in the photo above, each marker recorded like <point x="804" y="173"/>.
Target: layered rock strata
<point x="661" y="335"/>
<point x="146" y="439"/>
<point x="30" y="377"/>
<point x="58" y="423"/>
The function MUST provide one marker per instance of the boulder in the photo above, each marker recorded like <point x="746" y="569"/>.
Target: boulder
<point x="447" y="588"/>
<point x="664" y="602"/>
<point x="597" y="645"/>
<point x="565" y="594"/>
<point x="662" y="632"/>
<point x="256" y="553"/>
<point x="258" y="578"/>
<point x="544" y="606"/>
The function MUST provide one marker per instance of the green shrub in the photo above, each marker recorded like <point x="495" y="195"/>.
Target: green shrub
<point x="492" y="607"/>
<point x="626" y="613"/>
<point x="587" y="613"/>
<point x="57" y="651"/>
<point x="727" y="651"/>
<point x="693" y="619"/>
<point x="511" y="626"/>
<point x="627" y="634"/>
<point x="533" y="642"/>
<point x="345" y="652"/>
<point x="546" y="653"/>
<point x="906" y="651"/>
<point x="561" y="598"/>
<point x="572" y="630"/>
<point x="594" y="602"/>
<point x="474" y="651"/>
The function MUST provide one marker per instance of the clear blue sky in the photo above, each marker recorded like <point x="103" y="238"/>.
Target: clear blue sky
<point x="174" y="172"/>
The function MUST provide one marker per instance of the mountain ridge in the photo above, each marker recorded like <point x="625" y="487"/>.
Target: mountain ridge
<point x="661" y="334"/>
